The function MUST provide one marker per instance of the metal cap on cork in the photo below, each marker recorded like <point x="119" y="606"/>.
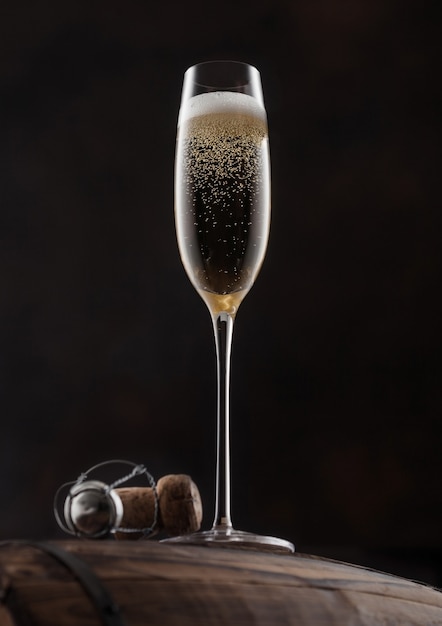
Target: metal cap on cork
<point x="92" y="509"/>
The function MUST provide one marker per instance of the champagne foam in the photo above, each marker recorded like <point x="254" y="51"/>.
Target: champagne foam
<point x="221" y="102"/>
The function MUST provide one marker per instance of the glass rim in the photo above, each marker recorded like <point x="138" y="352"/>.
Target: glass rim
<point x="243" y="64"/>
<point x="226" y="61"/>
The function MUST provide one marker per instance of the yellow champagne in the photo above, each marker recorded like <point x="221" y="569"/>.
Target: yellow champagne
<point x="222" y="195"/>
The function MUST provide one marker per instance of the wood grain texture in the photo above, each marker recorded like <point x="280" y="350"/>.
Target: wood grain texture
<point x="171" y="585"/>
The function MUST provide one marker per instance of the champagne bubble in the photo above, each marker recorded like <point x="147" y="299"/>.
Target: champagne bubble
<point x="223" y="173"/>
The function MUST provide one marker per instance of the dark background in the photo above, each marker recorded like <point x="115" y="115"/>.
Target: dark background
<point x="106" y="350"/>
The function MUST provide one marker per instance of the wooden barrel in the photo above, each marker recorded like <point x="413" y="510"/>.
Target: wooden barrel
<point x="88" y="583"/>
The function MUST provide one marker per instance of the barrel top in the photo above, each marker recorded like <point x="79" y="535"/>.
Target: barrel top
<point x="292" y="588"/>
<point x="177" y="561"/>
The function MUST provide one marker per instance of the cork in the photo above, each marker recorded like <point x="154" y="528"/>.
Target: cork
<point x="180" y="509"/>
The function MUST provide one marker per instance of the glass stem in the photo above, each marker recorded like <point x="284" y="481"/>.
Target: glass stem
<point x="223" y="329"/>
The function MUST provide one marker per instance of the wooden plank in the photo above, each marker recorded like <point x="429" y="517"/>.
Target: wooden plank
<point x="172" y="562"/>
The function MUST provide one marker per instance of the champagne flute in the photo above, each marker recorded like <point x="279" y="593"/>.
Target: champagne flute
<point x="222" y="216"/>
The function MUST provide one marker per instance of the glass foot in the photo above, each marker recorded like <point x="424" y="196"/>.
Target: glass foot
<point x="235" y="539"/>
